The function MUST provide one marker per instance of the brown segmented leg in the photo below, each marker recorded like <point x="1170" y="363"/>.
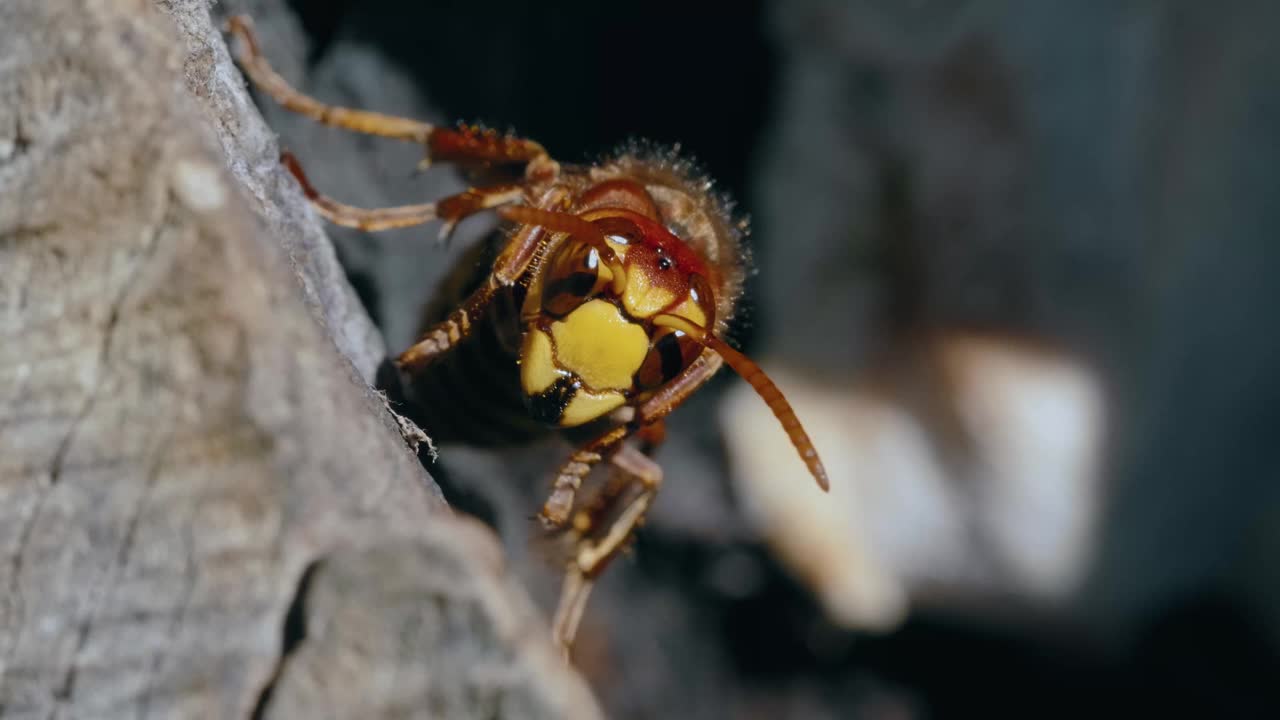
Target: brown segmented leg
<point x="463" y="145"/>
<point x="456" y="208"/>
<point x="451" y="210"/>
<point x="555" y="511"/>
<point x="573" y="603"/>
<point x="356" y="217"/>
<point x="448" y="332"/>
<point x="591" y="556"/>
<point x="469" y="145"/>
<point x="269" y="81"/>
<point x="509" y="266"/>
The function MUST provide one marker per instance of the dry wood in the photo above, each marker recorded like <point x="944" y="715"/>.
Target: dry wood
<point x="204" y="511"/>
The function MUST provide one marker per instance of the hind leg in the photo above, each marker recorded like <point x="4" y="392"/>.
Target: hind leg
<point x="465" y="145"/>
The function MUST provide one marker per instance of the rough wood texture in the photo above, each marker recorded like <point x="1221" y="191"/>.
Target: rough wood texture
<point x="203" y="511"/>
<point x="252" y="154"/>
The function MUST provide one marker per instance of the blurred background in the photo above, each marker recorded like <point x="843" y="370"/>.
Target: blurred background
<point x="1013" y="270"/>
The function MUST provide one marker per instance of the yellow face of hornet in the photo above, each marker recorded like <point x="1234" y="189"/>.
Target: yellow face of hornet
<point x="590" y="342"/>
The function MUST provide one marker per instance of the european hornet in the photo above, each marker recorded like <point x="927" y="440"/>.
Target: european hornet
<point x="604" y="309"/>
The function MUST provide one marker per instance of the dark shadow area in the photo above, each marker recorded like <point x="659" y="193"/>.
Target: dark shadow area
<point x="581" y="77"/>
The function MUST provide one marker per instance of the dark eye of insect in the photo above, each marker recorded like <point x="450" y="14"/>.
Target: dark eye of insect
<point x="573" y="277"/>
<point x="664" y="263"/>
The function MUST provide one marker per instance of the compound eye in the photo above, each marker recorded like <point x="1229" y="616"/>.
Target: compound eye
<point x="670" y="353"/>
<point x="575" y="275"/>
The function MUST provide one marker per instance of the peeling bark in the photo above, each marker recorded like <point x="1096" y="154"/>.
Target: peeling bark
<point x="204" y="511"/>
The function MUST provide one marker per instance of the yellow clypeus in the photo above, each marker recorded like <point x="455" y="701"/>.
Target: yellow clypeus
<point x="537" y="365"/>
<point x="587" y="406"/>
<point x="598" y="344"/>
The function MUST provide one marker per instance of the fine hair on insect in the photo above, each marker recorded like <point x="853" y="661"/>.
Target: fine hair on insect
<point x="601" y="309"/>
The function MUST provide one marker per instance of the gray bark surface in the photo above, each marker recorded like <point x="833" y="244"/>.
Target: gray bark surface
<point x="204" y="510"/>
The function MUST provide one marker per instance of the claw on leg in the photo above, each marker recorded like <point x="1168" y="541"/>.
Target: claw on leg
<point x="573" y="603"/>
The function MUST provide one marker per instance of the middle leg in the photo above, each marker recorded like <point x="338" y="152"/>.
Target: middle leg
<point x="451" y="210"/>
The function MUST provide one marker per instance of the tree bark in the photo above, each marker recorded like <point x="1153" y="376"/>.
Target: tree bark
<point x="204" y="509"/>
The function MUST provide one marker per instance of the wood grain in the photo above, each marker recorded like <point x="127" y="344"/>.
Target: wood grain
<point x="204" y="510"/>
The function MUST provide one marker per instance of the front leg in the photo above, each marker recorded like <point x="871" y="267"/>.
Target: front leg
<point x="510" y="265"/>
<point x="447" y="333"/>
<point x="556" y="510"/>
<point x="642" y="477"/>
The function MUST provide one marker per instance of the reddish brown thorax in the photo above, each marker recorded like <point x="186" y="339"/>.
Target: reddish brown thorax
<point x="624" y="194"/>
